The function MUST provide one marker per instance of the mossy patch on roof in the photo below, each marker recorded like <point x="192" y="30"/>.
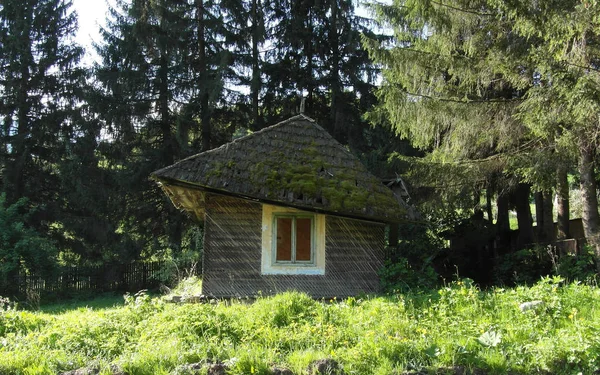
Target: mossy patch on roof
<point x="295" y="162"/>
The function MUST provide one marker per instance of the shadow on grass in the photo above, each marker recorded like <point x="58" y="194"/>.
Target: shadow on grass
<point x="99" y="302"/>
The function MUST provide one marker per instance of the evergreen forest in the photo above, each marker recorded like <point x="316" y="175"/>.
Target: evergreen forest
<point x="482" y="110"/>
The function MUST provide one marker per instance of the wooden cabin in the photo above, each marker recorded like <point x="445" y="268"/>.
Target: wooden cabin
<point x="285" y="208"/>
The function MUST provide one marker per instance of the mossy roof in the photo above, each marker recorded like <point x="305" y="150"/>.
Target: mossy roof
<point x="294" y="163"/>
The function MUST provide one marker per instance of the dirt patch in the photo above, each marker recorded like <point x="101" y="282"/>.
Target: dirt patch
<point x="325" y="367"/>
<point x="281" y="371"/>
<point x="93" y="371"/>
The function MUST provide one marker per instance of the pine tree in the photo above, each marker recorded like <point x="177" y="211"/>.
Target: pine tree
<point x="217" y="35"/>
<point x="41" y="89"/>
<point x="143" y="82"/>
<point x="563" y="106"/>
<point x="40" y="108"/>
<point x="165" y="88"/>
<point x="453" y="86"/>
<point x="315" y="51"/>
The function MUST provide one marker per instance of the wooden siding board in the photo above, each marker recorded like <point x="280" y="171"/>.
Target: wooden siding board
<point x="232" y="255"/>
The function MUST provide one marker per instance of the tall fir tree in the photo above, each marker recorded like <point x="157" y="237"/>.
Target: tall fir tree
<point x="142" y="84"/>
<point x="41" y="93"/>
<point x="453" y="83"/>
<point x="40" y="108"/>
<point x="314" y="51"/>
<point x="563" y="105"/>
<point x="217" y="34"/>
<point x="164" y="89"/>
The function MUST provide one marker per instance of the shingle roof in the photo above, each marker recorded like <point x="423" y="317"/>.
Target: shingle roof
<point x="294" y="163"/>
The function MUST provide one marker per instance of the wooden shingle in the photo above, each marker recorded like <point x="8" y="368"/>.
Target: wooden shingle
<point x="294" y="163"/>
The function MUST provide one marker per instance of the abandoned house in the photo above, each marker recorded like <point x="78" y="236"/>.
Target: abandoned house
<point x="285" y="208"/>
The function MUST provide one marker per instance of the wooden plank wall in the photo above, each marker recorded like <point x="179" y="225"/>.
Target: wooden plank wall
<point x="232" y="255"/>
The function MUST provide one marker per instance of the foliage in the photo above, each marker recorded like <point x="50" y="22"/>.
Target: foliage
<point x="188" y="286"/>
<point x="524" y="266"/>
<point x="446" y="90"/>
<point x="528" y="265"/>
<point x="172" y="79"/>
<point x="399" y="275"/>
<point x="494" y="91"/>
<point x="22" y="248"/>
<point x="45" y="131"/>
<point x="457" y="325"/>
<point x="6" y="304"/>
<point x="578" y="267"/>
<point x="411" y="263"/>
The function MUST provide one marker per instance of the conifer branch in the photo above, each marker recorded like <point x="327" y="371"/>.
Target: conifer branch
<point x="459" y="101"/>
<point x="588" y="67"/>
<point x="434" y="54"/>
<point x="527" y="146"/>
<point x="470" y="11"/>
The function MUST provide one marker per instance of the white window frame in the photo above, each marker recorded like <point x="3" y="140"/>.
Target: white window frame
<point x="269" y="263"/>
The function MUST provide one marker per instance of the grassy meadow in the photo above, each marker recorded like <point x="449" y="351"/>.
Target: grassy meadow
<point x="457" y="326"/>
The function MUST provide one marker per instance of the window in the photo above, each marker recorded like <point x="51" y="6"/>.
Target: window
<point x="293" y="241"/>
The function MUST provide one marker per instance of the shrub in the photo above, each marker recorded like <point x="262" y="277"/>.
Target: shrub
<point x="580" y="267"/>
<point x="189" y="286"/>
<point x="524" y="266"/>
<point x="20" y="244"/>
<point x="410" y="265"/>
<point x="398" y="275"/>
<point x="527" y="266"/>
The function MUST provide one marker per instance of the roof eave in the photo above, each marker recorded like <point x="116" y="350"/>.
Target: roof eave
<point x="191" y="185"/>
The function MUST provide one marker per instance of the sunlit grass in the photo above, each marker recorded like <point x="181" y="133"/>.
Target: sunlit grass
<point x="458" y="325"/>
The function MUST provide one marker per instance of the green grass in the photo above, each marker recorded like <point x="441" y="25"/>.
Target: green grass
<point x="103" y="301"/>
<point x="457" y="325"/>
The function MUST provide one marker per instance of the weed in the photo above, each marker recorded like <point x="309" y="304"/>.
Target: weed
<point x="457" y="325"/>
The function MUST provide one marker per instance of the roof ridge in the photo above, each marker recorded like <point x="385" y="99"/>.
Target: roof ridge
<point x="244" y="138"/>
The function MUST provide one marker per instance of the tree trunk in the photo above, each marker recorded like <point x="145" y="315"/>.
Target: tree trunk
<point x="477" y="203"/>
<point x="20" y="150"/>
<point x="502" y="223"/>
<point x="488" y="205"/>
<point x="490" y="218"/>
<point x="590" y="200"/>
<point x="562" y="193"/>
<point x="169" y="146"/>
<point x="538" y="198"/>
<point x="548" y="212"/>
<point x="168" y="151"/>
<point x="255" y="85"/>
<point x="310" y="86"/>
<point x="524" y="218"/>
<point x="393" y="236"/>
<point x="335" y="72"/>
<point x="543" y="216"/>
<point x="205" y="127"/>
